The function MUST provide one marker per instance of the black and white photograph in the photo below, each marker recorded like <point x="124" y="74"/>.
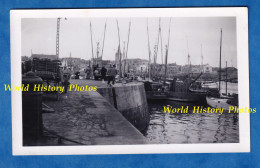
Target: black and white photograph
<point x="116" y="81"/>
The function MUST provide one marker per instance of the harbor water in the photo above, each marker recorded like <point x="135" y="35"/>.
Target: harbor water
<point x="165" y="128"/>
<point x="232" y="88"/>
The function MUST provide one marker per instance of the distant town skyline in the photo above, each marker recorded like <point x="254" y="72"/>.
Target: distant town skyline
<point x="187" y="36"/>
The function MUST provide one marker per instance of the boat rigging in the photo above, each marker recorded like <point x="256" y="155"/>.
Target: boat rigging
<point x="220" y="100"/>
<point x="125" y="51"/>
<point x="95" y="58"/>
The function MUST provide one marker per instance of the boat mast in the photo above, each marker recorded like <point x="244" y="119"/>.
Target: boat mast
<point x="123" y="56"/>
<point x="188" y="59"/>
<point x="201" y="59"/>
<point x="155" y="54"/>
<point x="166" y="57"/>
<point x="161" y="43"/>
<point x="92" y="43"/>
<point x="149" y="52"/>
<point x="167" y="47"/>
<point x="220" y="59"/>
<point x="103" y="43"/>
<point x="97" y="50"/>
<point x="119" y="50"/>
<point x="127" y="45"/>
<point x="226" y="77"/>
<point x="158" y="40"/>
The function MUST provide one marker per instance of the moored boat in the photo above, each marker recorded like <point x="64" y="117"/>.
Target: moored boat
<point x="187" y="97"/>
<point x="218" y="99"/>
<point x="209" y="84"/>
<point x="202" y="87"/>
<point x="175" y="91"/>
<point x="221" y="102"/>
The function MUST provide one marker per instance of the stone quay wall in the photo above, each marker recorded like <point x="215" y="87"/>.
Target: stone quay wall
<point x="130" y="100"/>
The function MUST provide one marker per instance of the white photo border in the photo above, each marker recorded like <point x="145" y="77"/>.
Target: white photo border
<point x="241" y="14"/>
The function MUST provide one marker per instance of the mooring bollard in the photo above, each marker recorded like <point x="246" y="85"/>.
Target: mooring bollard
<point x="32" y="109"/>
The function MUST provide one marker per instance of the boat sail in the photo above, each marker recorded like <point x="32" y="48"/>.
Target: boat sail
<point x="219" y="100"/>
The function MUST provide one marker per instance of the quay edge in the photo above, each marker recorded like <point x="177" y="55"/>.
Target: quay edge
<point x="130" y="100"/>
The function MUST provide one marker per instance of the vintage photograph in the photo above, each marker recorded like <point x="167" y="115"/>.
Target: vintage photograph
<point x="125" y="80"/>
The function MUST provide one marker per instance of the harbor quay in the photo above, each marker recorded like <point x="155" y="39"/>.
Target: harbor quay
<point x="87" y="118"/>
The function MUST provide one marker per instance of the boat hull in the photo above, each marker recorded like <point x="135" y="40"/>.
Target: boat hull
<point x="218" y="102"/>
<point x="187" y="97"/>
<point x="154" y="95"/>
<point x="176" y="96"/>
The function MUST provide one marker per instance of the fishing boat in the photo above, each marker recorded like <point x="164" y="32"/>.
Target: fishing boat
<point x="181" y="91"/>
<point x="202" y="86"/>
<point x="209" y="84"/>
<point x="173" y="90"/>
<point x="220" y="100"/>
<point x="187" y="97"/>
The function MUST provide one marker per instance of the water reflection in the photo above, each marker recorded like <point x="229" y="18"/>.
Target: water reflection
<point x="167" y="128"/>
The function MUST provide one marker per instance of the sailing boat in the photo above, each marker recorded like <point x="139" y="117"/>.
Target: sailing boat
<point x="153" y="89"/>
<point x="179" y="90"/>
<point x="97" y="60"/>
<point x="202" y="86"/>
<point x="172" y="90"/>
<point x="217" y="99"/>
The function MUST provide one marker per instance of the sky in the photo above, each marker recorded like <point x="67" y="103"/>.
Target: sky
<point x="187" y="35"/>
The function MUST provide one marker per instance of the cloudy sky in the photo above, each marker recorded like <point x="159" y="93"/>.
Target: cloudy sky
<point x="39" y="36"/>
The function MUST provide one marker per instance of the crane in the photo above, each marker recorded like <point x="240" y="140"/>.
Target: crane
<point x="58" y="37"/>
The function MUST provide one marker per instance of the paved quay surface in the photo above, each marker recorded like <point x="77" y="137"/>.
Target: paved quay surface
<point x="99" y="84"/>
<point x="86" y="118"/>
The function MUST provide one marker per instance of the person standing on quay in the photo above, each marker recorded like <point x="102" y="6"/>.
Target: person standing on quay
<point x="103" y="74"/>
<point x="112" y="74"/>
